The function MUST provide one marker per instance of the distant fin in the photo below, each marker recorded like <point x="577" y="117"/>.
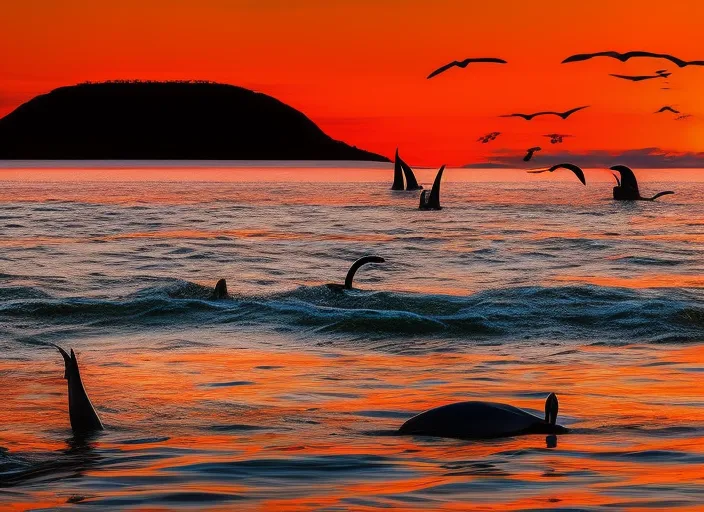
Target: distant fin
<point x="433" y="199"/>
<point x="411" y="182"/>
<point x="220" y="291"/>
<point x="355" y="266"/>
<point x="398" y="173"/>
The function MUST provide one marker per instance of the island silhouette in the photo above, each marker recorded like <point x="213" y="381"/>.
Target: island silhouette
<point x="186" y="120"/>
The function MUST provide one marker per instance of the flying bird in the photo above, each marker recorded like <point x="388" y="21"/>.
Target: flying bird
<point x="464" y="63"/>
<point x="623" y="57"/>
<point x="576" y="170"/>
<point x="556" y="138"/>
<point x="488" y="137"/>
<point x="660" y="71"/>
<point x="563" y="115"/>
<point x="667" y="107"/>
<point x="640" y="78"/>
<point x="683" y="117"/>
<point x="530" y="152"/>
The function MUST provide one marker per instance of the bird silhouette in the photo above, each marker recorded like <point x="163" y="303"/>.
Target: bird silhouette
<point x="563" y="115"/>
<point x="623" y="57"/>
<point x="464" y="63"/>
<point x="488" y="137"/>
<point x="683" y="117"/>
<point x="576" y="170"/>
<point x="640" y="78"/>
<point x="667" y="107"/>
<point x="530" y="152"/>
<point x="556" y="138"/>
<point x="660" y="71"/>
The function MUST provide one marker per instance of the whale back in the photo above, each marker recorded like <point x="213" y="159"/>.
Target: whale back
<point x="475" y="420"/>
<point x="398" y="174"/>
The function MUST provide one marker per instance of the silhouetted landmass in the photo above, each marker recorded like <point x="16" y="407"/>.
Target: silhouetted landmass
<point x="165" y="120"/>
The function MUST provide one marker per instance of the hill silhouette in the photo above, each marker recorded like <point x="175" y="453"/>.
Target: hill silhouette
<point x="165" y="120"/>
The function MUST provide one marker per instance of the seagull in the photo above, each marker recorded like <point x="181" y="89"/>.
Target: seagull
<point x="464" y="63"/>
<point x="556" y="138"/>
<point x="682" y="117"/>
<point x="488" y="137"/>
<point x="639" y="78"/>
<point x="663" y="109"/>
<point x="530" y="152"/>
<point x="576" y="170"/>
<point x="563" y="115"/>
<point x="623" y="57"/>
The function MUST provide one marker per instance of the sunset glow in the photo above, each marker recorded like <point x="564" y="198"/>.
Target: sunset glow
<point x="358" y="68"/>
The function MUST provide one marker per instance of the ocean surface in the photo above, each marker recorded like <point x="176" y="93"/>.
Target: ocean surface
<point x="288" y="395"/>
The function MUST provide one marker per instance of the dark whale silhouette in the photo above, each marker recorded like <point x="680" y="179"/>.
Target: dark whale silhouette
<point x="220" y="291"/>
<point x="431" y="200"/>
<point x="401" y="169"/>
<point x="398" y="173"/>
<point x="576" y="170"/>
<point x="623" y="57"/>
<point x="530" y="152"/>
<point x="483" y="420"/>
<point x="353" y="270"/>
<point x="627" y="188"/>
<point x="464" y="63"/>
<point x="83" y="417"/>
<point x="563" y="115"/>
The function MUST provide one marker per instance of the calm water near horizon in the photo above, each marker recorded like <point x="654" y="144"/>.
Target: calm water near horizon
<point x="287" y="396"/>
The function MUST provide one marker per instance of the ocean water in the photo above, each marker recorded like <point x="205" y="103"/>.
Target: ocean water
<point x="287" y="396"/>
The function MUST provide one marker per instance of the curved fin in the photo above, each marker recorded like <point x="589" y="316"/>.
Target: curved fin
<point x="411" y="182"/>
<point x="398" y="173"/>
<point x="628" y="178"/>
<point x="434" y="197"/>
<point x="355" y="266"/>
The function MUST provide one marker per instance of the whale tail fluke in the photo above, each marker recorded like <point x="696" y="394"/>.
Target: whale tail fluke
<point x="431" y="201"/>
<point x="398" y="173"/>
<point x="220" y="291"/>
<point x="660" y="194"/>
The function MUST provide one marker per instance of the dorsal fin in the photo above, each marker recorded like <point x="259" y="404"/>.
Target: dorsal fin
<point x="398" y="173"/>
<point x="411" y="182"/>
<point x="434" y="198"/>
<point x="355" y="266"/>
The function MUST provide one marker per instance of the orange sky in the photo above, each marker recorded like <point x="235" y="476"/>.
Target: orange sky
<point x="358" y="67"/>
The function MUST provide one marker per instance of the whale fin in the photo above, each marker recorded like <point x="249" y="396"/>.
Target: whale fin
<point x="81" y="412"/>
<point x="220" y="290"/>
<point x="628" y="178"/>
<point x="398" y="173"/>
<point x="551" y="408"/>
<point x="355" y="266"/>
<point x="432" y="201"/>
<point x="411" y="182"/>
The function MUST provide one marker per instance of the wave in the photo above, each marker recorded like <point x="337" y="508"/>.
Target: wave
<point x="587" y="313"/>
